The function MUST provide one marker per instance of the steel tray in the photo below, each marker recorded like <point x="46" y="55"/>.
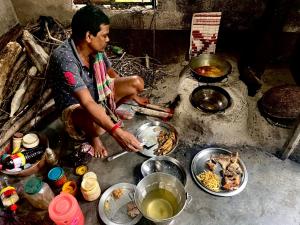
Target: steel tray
<point x="199" y="165"/>
<point x="116" y="213"/>
<point x="148" y="133"/>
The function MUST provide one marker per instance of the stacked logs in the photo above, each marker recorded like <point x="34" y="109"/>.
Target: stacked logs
<point x="24" y="97"/>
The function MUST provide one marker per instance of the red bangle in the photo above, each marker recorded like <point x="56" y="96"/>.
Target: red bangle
<point x="116" y="126"/>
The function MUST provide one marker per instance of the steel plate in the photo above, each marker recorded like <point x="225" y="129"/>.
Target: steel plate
<point x="199" y="165"/>
<point x="148" y="133"/>
<point x="116" y="211"/>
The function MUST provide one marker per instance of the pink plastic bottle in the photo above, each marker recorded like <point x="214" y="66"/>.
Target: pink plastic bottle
<point x="64" y="210"/>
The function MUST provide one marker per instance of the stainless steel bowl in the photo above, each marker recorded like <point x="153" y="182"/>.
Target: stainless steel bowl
<point x="210" y="98"/>
<point x="164" y="164"/>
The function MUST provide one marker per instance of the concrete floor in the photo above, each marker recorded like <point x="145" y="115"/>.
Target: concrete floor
<point x="271" y="196"/>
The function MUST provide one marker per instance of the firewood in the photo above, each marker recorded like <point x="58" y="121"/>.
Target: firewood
<point x="10" y="127"/>
<point x="36" y="53"/>
<point x="16" y="101"/>
<point x="33" y="87"/>
<point x="7" y="61"/>
<point x="48" y="108"/>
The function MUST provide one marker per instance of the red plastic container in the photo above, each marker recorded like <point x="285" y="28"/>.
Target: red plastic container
<point x="64" y="210"/>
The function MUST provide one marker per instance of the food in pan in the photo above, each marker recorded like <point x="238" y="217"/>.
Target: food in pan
<point x="165" y="140"/>
<point x="209" y="71"/>
<point x="132" y="210"/>
<point x="117" y="193"/>
<point x="210" y="180"/>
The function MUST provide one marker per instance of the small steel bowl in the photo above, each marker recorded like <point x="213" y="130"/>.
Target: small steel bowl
<point x="210" y="98"/>
<point x="164" y="164"/>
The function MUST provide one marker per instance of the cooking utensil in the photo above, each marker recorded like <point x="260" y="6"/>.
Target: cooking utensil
<point x="199" y="165"/>
<point x="114" y="211"/>
<point x="148" y="133"/>
<point x="110" y="158"/>
<point x="213" y="61"/>
<point x="282" y="102"/>
<point x="164" y="164"/>
<point x="165" y="181"/>
<point x="210" y="98"/>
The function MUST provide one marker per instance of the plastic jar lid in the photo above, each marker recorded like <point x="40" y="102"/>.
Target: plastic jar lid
<point x="81" y="170"/>
<point x="69" y="187"/>
<point x="63" y="207"/>
<point x="33" y="185"/>
<point x="30" y="140"/>
<point x="55" y="173"/>
<point x="89" y="175"/>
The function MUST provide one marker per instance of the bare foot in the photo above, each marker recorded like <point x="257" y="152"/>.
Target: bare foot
<point x="99" y="149"/>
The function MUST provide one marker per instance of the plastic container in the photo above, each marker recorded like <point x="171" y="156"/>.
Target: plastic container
<point x="57" y="176"/>
<point x="64" y="210"/>
<point x="90" y="187"/>
<point x="38" y="193"/>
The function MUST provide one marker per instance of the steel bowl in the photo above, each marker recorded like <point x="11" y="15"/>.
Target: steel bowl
<point x="164" y="164"/>
<point x="205" y="60"/>
<point x="210" y="98"/>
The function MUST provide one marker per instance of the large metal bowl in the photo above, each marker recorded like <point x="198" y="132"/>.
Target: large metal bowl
<point x="210" y="98"/>
<point x="35" y="167"/>
<point x="205" y="60"/>
<point x="164" y="164"/>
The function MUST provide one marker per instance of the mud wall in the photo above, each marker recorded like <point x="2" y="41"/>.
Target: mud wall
<point x="8" y="18"/>
<point x="171" y="14"/>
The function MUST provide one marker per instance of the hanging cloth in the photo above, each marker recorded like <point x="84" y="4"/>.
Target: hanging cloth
<point x="105" y="86"/>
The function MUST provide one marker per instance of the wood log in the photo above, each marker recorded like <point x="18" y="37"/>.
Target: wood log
<point x="11" y="127"/>
<point x="14" y="72"/>
<point x="33" y="87"/>
<point x="7" y="61"/>
<point x="36" y="53"/>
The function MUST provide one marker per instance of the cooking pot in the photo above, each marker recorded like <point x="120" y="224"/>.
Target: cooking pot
<point x="281" y="105"/>
<point x="163" y="182"/>
<point x="210" y="98"/>
<point x="209" y="68"/>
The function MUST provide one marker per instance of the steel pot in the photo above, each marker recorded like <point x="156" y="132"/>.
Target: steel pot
<point x="165" y="181"/>
<point x="209" y="61"/>
<point x="210" y="99"/>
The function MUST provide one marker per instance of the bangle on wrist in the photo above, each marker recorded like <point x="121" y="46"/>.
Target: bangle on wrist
<point x="115" y="127"/>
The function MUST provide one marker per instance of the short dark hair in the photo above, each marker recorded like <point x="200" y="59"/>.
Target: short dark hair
<point x="87" y="18"/>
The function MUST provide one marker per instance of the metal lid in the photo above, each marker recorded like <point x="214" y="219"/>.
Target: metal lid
<point x="33" y="185"/>
<point x="55" y="173"/>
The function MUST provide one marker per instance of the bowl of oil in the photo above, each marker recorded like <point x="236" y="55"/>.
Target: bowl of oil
<point x="161" y="197"/>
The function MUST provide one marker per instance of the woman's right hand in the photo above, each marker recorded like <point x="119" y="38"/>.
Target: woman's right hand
<point x="127" y="140"/>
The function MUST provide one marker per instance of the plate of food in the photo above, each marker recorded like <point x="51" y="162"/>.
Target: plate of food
<point x="219" y="171"/>
<point x="116" y="205"/>
<point x="158" y="138"/>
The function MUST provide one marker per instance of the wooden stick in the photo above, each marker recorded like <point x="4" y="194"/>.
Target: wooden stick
<point x="48" y="108"/>
<point x="7" y="61"/>
<point x="151" y="112"/>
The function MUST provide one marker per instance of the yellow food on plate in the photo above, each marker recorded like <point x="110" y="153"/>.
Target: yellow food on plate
<point x="210" y="180"/>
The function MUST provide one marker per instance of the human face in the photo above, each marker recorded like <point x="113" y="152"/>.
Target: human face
<point x="99" y="42"/>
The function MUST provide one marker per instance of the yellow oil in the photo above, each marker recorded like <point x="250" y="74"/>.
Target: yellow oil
<point x="160" y="204"/>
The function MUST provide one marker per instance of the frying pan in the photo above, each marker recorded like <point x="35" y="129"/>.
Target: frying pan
<point x="210" y="99"/>
<point x="209" y="60"/>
